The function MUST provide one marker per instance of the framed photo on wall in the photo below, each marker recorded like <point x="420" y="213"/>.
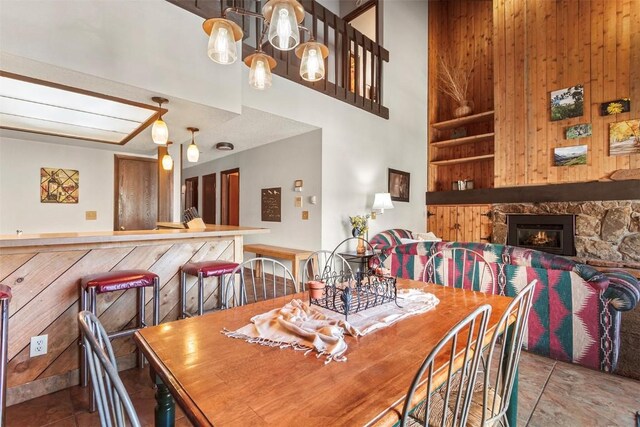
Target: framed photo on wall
<point x="399" y="185"/>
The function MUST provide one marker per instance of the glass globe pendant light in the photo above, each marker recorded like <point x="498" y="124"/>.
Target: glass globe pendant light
<point x="312" y="55"/>
<point x="167" y="160"/>
<point x="283" y="17"/>
<point x="260" y="65"/>
<point x="159" y="130"/>
<point x="223" y="35"/>
<point x="193" y="154"/>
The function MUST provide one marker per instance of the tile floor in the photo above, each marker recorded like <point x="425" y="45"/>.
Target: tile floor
<point x="551" y="394"/>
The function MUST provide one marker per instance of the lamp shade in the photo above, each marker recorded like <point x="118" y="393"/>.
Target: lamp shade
<point x="160" y="132"/>
<point x="193" y="154"/>
<point x="312" y="56"/>
<point x="167" y="162"/>
<point x="283" y="27"/>
<point x="382" y="201"/>
<point x="222" y="43"/>
<point x="260" y="71"/>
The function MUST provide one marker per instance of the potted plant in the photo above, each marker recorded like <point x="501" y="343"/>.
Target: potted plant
<point x="454" y="81"/>
<point x="316" y="289"/>
<point x="359" y="226"/>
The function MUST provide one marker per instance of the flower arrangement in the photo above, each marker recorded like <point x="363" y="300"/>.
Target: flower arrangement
<point x="454" y="78"/>
<point x="359" y="224"/>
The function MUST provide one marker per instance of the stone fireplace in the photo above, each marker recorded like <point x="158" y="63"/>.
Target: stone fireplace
<point x="548" y="233"/>
<point x="608" y="231"/>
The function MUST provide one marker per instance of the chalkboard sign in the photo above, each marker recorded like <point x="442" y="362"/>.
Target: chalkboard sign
<point x="272" y="204"/>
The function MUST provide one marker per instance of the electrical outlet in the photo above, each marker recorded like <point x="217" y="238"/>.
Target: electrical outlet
<point x="91" y="215"/>
<point x="305" y="215"/>
<point x="38" y="345"/>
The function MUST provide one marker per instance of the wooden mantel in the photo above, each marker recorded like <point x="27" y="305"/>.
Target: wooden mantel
<point x="574" y="192"/>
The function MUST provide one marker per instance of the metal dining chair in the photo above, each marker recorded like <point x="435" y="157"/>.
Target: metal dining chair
<point x="449" y="404"/>
<point x="5" y="298"/>
<point x="503" y="357"/>
<point x="114" y="405"/>
<point x="322" y="264"/>
<point x="460" y="268"/>
<point x="258" y="279"/>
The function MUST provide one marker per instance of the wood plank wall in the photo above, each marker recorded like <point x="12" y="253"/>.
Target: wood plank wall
<point x="46" y="293"/>
<point x="541" y="46"/>
<point x="463" y="30"/>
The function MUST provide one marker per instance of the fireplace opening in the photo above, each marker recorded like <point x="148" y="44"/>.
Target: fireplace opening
<point x="548" y="233"/>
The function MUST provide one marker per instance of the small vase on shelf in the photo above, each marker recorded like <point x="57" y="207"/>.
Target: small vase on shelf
<point x="463" y="110"/>
<point x="361" y="248"/>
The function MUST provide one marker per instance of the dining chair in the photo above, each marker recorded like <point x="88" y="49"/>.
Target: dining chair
<point x="323" y="264"/>
<point x="114" y="405"/>
<point x="449" y="404"/>
<point x="460" y="268"/>
<point x="258" y="279"/>
<point x="503" y="357"/>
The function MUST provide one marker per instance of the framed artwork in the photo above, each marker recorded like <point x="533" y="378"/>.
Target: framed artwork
<point x="618" y="106"/>
<point x="579" y="131"/>
<point x="567" y="103"/>
<point x="399" y="185"/>
<point x="570" y="156"/>
<point x="624" y="137"/>
<point x="59" y="185"/>
<point x="272" y="204"/>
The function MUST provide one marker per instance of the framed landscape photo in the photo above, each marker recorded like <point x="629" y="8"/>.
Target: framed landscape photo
<point x="624" y="137"/>
<point x="579" y="131"/>
<point x="399" y="185"/>
<point x="570" y="156"/>
<point x="567" y="103"/>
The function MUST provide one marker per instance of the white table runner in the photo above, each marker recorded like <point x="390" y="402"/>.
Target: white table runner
<point x="300" y="326"/>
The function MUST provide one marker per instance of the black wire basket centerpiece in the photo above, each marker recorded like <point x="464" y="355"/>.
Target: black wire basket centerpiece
<point x="351" y="292"/>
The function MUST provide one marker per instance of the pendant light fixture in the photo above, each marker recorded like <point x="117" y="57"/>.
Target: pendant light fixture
<point x="283" y="17"/>
<point x="160" y="131"/>
<point x="260" y="65"/>
<point x="312" y="55"/>
<point x="223" y="35"/>
<point x="193" y="154"/>
<point x="167" y="160"/>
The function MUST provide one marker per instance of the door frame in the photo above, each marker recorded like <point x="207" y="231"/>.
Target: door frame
<point x="224" y="194"/>
<point x="116" y="187"/>
<point x="195" y="179"/>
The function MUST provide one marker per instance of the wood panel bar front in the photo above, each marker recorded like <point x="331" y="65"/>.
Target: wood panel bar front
<point x="44" y="271"/>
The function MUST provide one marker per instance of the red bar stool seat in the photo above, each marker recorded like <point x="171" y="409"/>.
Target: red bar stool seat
<point x="202" y="270"/>
<point x="112" y="281"/>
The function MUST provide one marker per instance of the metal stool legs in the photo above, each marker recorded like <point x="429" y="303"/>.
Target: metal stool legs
<point x="200" y="283"/>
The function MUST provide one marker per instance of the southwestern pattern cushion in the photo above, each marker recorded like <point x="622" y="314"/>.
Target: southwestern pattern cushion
<point x="576" y="309"/>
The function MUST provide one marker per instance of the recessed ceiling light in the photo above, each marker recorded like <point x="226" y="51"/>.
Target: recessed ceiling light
<point x="47" y="108"/>
<point x="224" y="146"/>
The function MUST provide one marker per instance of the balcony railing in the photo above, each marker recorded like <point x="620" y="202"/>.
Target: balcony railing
<point x="355" y="63"/>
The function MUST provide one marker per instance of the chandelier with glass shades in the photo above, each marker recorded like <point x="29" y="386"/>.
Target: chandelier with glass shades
<point x="282" y="20"/>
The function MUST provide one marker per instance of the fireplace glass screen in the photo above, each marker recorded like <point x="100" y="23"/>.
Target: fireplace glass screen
<point x="547" y="237"/>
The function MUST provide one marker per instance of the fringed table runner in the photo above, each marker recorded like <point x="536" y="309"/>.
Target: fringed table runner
<point x="310" y="328"/>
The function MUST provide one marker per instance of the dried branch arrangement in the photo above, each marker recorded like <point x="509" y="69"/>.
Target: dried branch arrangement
<point x="454" y="78"/>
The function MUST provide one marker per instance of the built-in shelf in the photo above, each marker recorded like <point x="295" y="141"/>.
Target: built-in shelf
<point x="454" y="123"/>
<point x="463" y="140"/>
<point x="461" y="160"/>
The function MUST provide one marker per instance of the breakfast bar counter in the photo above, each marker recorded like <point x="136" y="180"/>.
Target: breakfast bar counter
<point x="44" y="271"/>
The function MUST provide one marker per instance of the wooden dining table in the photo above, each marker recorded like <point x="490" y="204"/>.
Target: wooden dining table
<point x="217" y="380"/>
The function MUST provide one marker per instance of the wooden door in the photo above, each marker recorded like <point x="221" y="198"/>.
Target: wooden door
<point x="209" y="198"/>
<point x="191" y="193"/>
<point x="230" y="197"/>
<point x="135" y="193"/>
<point x="467" y="223"/>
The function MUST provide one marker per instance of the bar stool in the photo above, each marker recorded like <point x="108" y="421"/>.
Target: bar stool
<point x="91" y="286"/>
<point x="5" y="297"/>
<point x="203" y="270"/>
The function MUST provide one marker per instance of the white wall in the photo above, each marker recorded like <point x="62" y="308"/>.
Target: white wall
<point x="277" y="164"/>
<point x="358" y="147"/>
<point x="20" y="163"/>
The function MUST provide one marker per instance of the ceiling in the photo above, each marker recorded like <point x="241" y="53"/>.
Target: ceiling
<point x="249" y="129"/>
